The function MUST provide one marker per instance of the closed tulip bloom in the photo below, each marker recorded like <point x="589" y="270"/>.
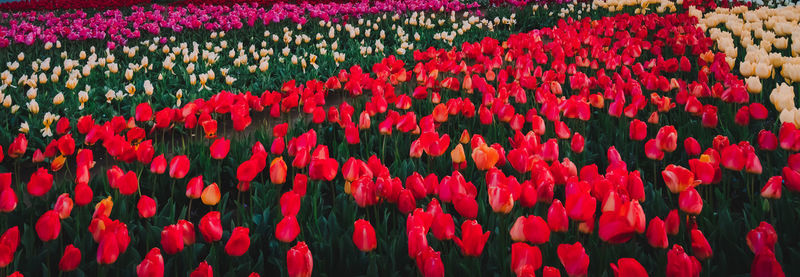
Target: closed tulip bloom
<point x="8" y="199"/>
<point x="48" y="226"/>
<point x="211" y="227"/>
<point x="158" y="165"/>
<point x="773" y="188"/>
<point x="83" y="194"/>
<point x="9" y="242"/>
<point x="239" y="242"/>
<point x="690" y="201"/>
<point x="700" y="247"/>
<point x="152" y="265"/>
<point x="667" y="138"/>
<point x="220" y="148"/>
<point x="767" y="140"/>
<point x="679" y="264"/>
<point x="534" y="229"/>
<point x="172" y="239"/>
<point x="678" y="178"/>
<point x="109" y="249"/>
<point x="466" y="206"/>
<point x="577" y="143"/>
<point x="500" y="199"/>
<point x="211" y="195"/>
<point x="70" y="259"/>
<point x="652" y="151"/>
<point x="178" y="166"/>
<point x="63" y="206"/>
<point x="550" y="271"/>
<point x="18" y="147"/>
<point x="557" y="217"/>
<point x="128" y="183"/>
<point x="287" y="229"/>
<point x="194" y="188"/>
<point x="574" y="259"/>
<point x="524" y="255"/>
<point x="628" y="267"/>
<point x="443" y="226"/>
<point x="290" y="203"/>
<point x="637" y="130"/>
<point x="657" y="234"/>
<point x="766" y="265"/>
<point x="581" y="206"/>
<point x="299" y="262"/>
<point x="364" y="236"/>
<point x="277" y="171"/>
<point x="485" y="157"/>
<point x="406" y="202"/>
<point x="203" y="270"/>
<point x="762" y="237"/>
<point x="673" y="223"/>
<point x="472" y="238"/>
<point x="40" y="183"/>
<point x="187" y="228"/>
<point x="146" y="207"/>
<point x="691" y="146"/>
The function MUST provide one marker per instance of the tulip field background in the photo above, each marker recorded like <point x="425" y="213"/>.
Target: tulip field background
<point x="399" y="138"/>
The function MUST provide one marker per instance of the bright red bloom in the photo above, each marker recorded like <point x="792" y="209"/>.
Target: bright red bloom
<point x="152" y="265"/>
<point x="40" y="183"/>
<point x="652" y="151"/>
<point x="700" y="247"/>
<point x="525" y="257"/>
<point x="773" y="188"/>
<point x="443" y="226"/>
<point x="128" y="183"/>
<point x="657" y="234"/>
<point x="179" y="167"/>
<point x="691" y="146"/>
<point x="766" y="265"/>
<point x="679" y="264"/>
<point x="172" y="239"/>
<point x="194" y="189"/>
<point x="628" y="267"/>
<point x="762" y="237"/>
<point x="767" y="140"/>
<point x="287" y="229"/>
<point x="158" y="165"/>
<point x="690" y="201"/>
<point x="9" y="242"/>
<point x="146" y="207"/>
<point x="574" y="259"/>
<point x="678" y="178"/>
<point x="673" y="223"/>
<point x="667" y="138"/>
<point x="203" y="270"/>
<point x="48" y="226"/>
<point x="70" y="259"/>
<point x="637" y="130"/>
<point x="211" y="227"/>
<point x="239" y="242"/>
<point x="299" y="262"/>
<point x="18" y="146"/>
<point x="143" y="112"/>
<point x="557" y="217"/>
<point x="220" y="148"/>
<point x="364" y="236"/>
<point x="472" y="238"/>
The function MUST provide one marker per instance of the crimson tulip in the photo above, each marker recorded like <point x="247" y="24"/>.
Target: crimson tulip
<point x="40" y="183"/>
<point x="9" y="242"/>
<point x="179" y="167"/>
<point x="239" y="242"/>
<point x="762" y="237"/>
<point x="172" y="239"/>
<point x="287" y="229"/>
<point x="472" y="238"/>
<point x="211" y="227"/>
<point x="525" y="257"/>
<point x="146" y="207"/>
<point x="657" y="234"/>
<point x="48" y="226"/>
<point x="364" y="236"/>
<point x="628" y="267"/>
<point x="70" y="259"/>
<point x="220" y="148"/>
<point x="574" y="259"/>
<point x="203" y="270"/>
<point x="679" y="264"/>
<point x="299" y="262"/>
<point x="152" y="265"/>
<point x="766" y="265"/>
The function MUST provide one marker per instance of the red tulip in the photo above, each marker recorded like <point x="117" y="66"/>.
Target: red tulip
<point x="550" y="271"/>
<point x="652" y="151"/>
<point x="637" y="130"/>
<point x="109" y="249"/>
<point x="63" y="206"/>
<point x="158" y="165"/>
<point x="40" y="183"/>
<point x="577" y="143"/>
<point x="700" y="247"/>
<point x="690" y="201"/>
<point x="679" y="264"/>
<point x="277" y="171"/>
<point x="678" y="178"/>
<point x="83" y="194"/>
<point x="128" y="183"/>
<point x="691" y="146"/>
<point x="673" y="223"/>
<point x="667" y="138"/>
<point x="211" y="227"/>
<point x="557" y="217"/>
<point x="466" y="206"/>
<point x="581" y="206"/>
<point x="220" y="148"/>
<point x="8" y="198"/>
<point x="472" y="238"/>
<point x="70" y="260"/>
<point x="179" y="167"/>
<point x="628" y="267"/>
<point x="203" y="270"/>
<point x="443" y="226"/>
<point x="9" y="242"/>
<point x="66" y="145"/>
<point x="772" y="189"/>
<point x="500" y="199"/>
<point x="429" y="263"/>
<point x="152" y="265"/>
<point x="766" y="265"/>
<point x="406" y="202"/>
<point x="209" y="128"/>
<point x="287" y="229"/>
<point x="194" y="189"/>
<point x="172" y="239"/>
<point x="187" y="228"/>
<point x="48" y="226"/>
<point x="525" y="257"/>
<point x="146" y="207"/>
<point x="574" y="259"/>
<point x="62" y="127"/>
<point x="657" y="234"/>
<point x="143" y="112"/>
<point x="733" y="158"/>
<point x="18" y="146"/>
<point x="364" y="236"/>
<point x="767" y="140"/>
<point x="532" y="229"/>
<point x="239" y="242"/>
<point x="299" y="262"/>
<point x="761" y="238"/>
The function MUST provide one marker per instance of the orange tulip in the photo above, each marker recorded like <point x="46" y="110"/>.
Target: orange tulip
<point x="485" y="157"/>
<point x="211" y="195"/>
<point x="277" y="171"/>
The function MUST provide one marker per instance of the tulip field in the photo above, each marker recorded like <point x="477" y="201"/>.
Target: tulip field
<point x="400" y="138"/>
